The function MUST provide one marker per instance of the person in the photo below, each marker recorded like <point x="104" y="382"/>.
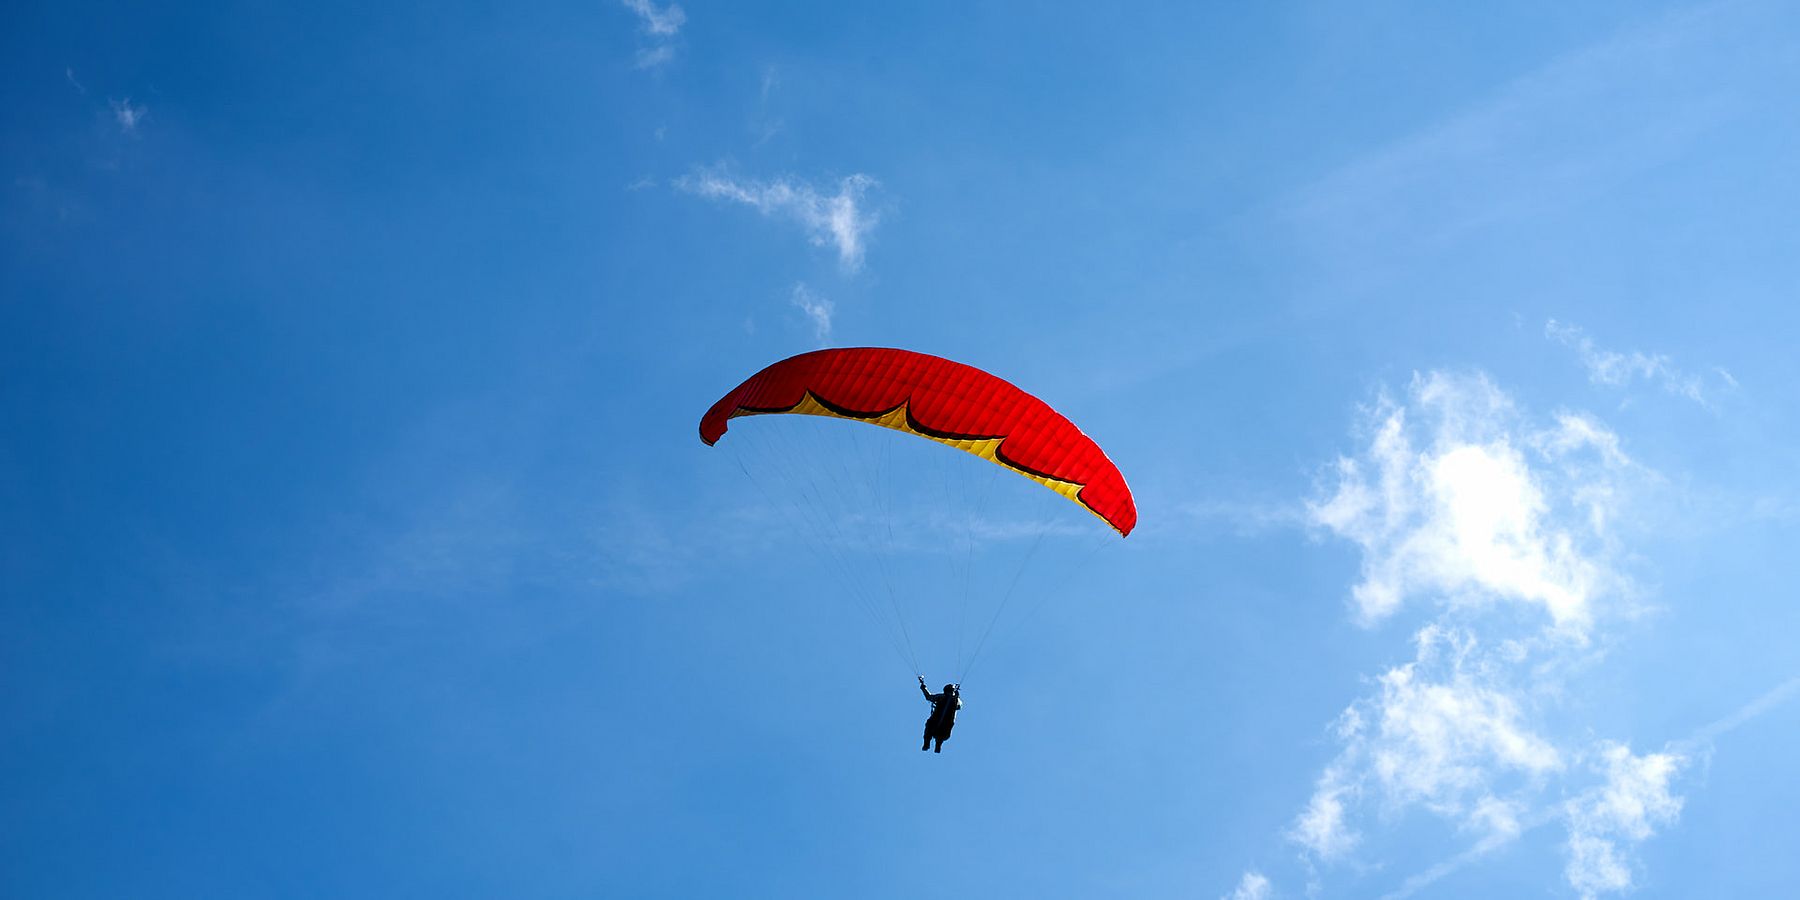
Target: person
<point x="943" y="714"/>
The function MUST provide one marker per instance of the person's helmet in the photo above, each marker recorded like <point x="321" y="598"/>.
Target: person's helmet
<point x="949" y="688"/>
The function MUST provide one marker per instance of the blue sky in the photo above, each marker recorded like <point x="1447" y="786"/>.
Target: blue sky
<point x="357" y="541"/>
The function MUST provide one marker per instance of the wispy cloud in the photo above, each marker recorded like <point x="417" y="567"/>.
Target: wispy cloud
<point x="652" y="57"/>
<point x="1774" y="697"/>
<point x="1446" y="732"/>
<point x="1480" y="850"/>
<point x="1241" y="517"/>
<point x="662" y="24"/>
<point x="1502" y="525"/>
<point x="1615" y="369"/>
<point x="470" y="536"/>
<point x="1323" y="827"/>
<point x="663" y="21"/>
<point x="817" y="310"/>
<point x="640" y="552"/>
<point x="1642" y="785"/>
<point x="1457" y="499"/>
<point x="1445" y="725"/>
<point x="1625" y="809"/>
<point x="763" y="124"/>
<point x="836" y="219"/>
<point x="129" y="115"/>
<point x="69" y="73"/>
<point x="1253" y="886"/>
<point x="1583" y="125"/>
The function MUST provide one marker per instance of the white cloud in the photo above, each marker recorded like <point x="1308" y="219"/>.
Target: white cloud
<point x="1322" y="827"/>
<point x="1614" y="369"/>
<point x="1625" y="809"/>
<point x="1502" y="525"/>
<point x="1253" y="886"/>
<point x="1441" y="736"/>
<point x="1597" y="855"/>
<point x="651" y="57"/>
<point x="837" y="219"/>
<point x="663" y="22"/>
<point x="129" y="115"/>
<point x="1575" y="432"/>
<point x="1499" y="819"/>
<point x="1457" y="500"/>
<point x="817" y="309"/>
<point x="1446" y="732"/>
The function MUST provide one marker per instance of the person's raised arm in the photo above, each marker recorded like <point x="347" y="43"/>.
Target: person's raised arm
<point x="922" y="688"/>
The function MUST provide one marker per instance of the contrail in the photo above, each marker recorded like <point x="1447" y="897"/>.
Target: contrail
<point x="1772" y="698"/>
<point x="1686" y="746"/>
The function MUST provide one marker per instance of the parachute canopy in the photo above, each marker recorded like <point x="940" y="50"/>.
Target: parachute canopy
<point x="943" y="401"/>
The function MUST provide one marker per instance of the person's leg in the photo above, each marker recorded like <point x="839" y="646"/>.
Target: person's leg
<point x="927" y="744"/>
<point x="940" y="746"/>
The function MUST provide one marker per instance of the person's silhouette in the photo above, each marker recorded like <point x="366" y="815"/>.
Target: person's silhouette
<point x="943" y="714"/>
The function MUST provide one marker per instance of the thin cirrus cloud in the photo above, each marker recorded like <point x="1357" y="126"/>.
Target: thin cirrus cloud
<point x="1615" y="369"/>
<point x="1626" y="808"/>
<point x="1503" y="526"/>
<point x="660" y="21"/>
<point x="1323" y="828"/>
<point x="817" y="310"/>
<point x="1253" y="886"/>
<point x="128" y="115"/>
<point x="1583" y="125"/>
<point x="653" y="57"/>
<point x="662" y="24"/>
<point x="838" y="219"/>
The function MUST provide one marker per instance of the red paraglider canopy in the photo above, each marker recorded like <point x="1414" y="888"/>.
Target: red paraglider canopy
<point x="942" y="401"/>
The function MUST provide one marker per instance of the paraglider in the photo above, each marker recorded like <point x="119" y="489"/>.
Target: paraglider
<point x="943" y="714"/>
<point x="946" y="402"/>
<point x="943" y="401"/>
